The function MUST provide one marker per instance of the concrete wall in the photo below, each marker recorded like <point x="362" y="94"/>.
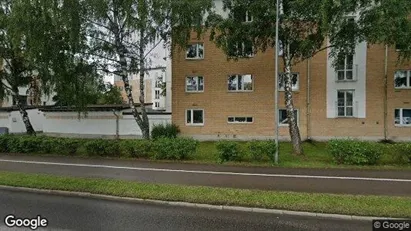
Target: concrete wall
<point x="14" y="122"/>
<point x="96" y="124"/>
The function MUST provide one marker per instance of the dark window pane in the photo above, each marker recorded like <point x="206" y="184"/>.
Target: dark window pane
<point x="188" y="116"/>
<point x="230" y="119"/>
<point x="341" y="75"/>
<point x="349" y="75"/>
<point x="400" y="79"/>
<point x="349" y="111"/>
<point x="192" y="51"/>
<point x="294" y="79"/>
<point x="341" y="111"/>
<point x="240" y="119"/>
<point x="349" y="97"/>
<point x="350" y="62"/>
<point x="200" y="50"/>
<point x="249" y="119"/>
<point x="240" y="82"/>
<point x="406" y="116"/>
<point x="197" y="116"/>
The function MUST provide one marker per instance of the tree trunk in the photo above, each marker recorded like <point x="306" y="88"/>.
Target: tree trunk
<point x="293" y="127"/>
<point x="124" y="76"/>
<point x="145" y="129"/>
<point x="24" y="116"/>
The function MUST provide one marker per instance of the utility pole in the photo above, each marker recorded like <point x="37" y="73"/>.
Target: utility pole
<point x="276" y="81"/>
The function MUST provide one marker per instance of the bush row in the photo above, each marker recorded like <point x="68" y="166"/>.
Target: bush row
<point x="355" y="152"/>
<point x="162" y="148"/>
<point x="231" y="151"/>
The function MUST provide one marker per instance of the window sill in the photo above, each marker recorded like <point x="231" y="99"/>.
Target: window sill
<point x="346" y="81"/>
<point x="195" y="125"/>
<point x="403" y="125"/>
<point x="194" y="92"/>
<point x="236" y="123"/>
<point x="346" y="117"/>
<point x="240" y="91"/>
<point x="191" y="59"/>
<point x="402" y="88"/>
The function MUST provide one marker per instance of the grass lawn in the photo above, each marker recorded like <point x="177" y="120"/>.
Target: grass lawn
<point x="382" y="206"/>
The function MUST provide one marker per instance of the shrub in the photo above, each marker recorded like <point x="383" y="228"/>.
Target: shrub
<point x="228" y="150"/>
<point x="167" y="131"/>
<point x="100" y="147"/>
<point x="402" y="153"/>
<point x="4" y="142"/>
<point x="355" y="152"/>
<point x="259" y="149"/>
<point x="67" y="146"/>
<point x="135" y="148"/>
<point x="174" y="149"/>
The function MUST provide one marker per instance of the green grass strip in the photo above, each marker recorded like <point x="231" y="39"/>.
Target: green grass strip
<point x="383" y="206"/>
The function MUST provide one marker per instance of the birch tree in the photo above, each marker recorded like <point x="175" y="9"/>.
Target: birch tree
<point x="122" y="34"/>
<point x="307" y="27"/>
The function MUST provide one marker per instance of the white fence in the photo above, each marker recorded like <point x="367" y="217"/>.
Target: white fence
<point x="100" y="124"/>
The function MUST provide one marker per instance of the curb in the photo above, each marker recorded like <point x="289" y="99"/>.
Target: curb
<point x="196" y="205"/>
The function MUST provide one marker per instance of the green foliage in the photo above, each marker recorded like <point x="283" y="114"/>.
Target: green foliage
<point x="135" y="148"/>
<point x="354" y="152"/>
<point x="100" y="147"/>
<point x="228" y="151"/>
<point x="259" y="149"/>
<point x="402" y="153"/>
<point x="165" y="131"/>
<point x="112" y="95"/>
<point x="174" y="148"/>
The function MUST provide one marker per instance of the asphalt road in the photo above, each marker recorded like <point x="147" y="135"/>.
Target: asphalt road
<point x="365" y="182"/>
<point x="75" y="213"/>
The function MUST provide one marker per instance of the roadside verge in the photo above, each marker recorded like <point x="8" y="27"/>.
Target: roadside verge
<point x="351" y="207"/>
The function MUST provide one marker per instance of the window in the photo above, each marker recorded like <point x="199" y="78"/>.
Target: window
<point x="240" y="83"/>
<point x="242" y="14"/>
<point x="402" y="47"/>
<point x="158" y="84"/>
<point x="195" y="117"/>
<point x="157" y="94"/>
<point x="282" y="117"/>
<point x="242" y="120"/>
<point x="244" y="49"/>
<point x="248" y="17"/>
<point x="195" y="84"/>
<point x="402" y="79"/>
<point x="345" y="103"/>
<point x="157" y="104"/>
<point x="195" y="51"/>
<point x="403" y="117"/>
<point x="345" y="68"/>
<point x="294" y="80"/>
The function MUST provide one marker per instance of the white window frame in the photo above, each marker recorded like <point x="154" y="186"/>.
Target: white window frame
<point x="345" y="70"/>
<point x="197" y="85"/>
<point x="408" y="79"/>
<point x="157" y="94"/>
<point x="247" y="14"/>
<point x="242" y="79"/>
<point x="238" y="122"/>
<point x="286" y="125"/>
<point x="156" y="104"/>
<point x="345" y="102"/>
<point x="294" y="88"/>
<point x="191" y="123"/>
<point x="241" y="52"/>
<point x="197" y="57"/>
<point x="401" y="119"/>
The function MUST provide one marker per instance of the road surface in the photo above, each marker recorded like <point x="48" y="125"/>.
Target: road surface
<point x="365" y="182"/>
<point x="75" y="213"/>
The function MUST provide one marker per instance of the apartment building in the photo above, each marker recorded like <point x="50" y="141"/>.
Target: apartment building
<point x="217" y="98"/>
<point x="153" y="87"/>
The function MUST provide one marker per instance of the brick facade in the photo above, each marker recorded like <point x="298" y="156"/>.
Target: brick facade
<point x="218" y="104"/>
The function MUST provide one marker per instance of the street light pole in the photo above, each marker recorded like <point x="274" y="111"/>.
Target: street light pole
<point x="276" y="81"/>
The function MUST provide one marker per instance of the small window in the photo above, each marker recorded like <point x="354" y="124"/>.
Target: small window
<point x="195" y="117"/>
<point x="345" y="103"/>
<point x="195" y="84"/>
<point x="294" y="80"/>
<point x="243" y="120"/>
<point x="157" y="104"/>
<point x="282" y="117"/>
<point x="195" y="51"/>
<point x="402" y="47"/>
<point x="240" y="83"/>
<point x="157" y="94"/>
<point x="402" y="79"/>
<point x="158" y="84"/>
<point x="402" y="117"/>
